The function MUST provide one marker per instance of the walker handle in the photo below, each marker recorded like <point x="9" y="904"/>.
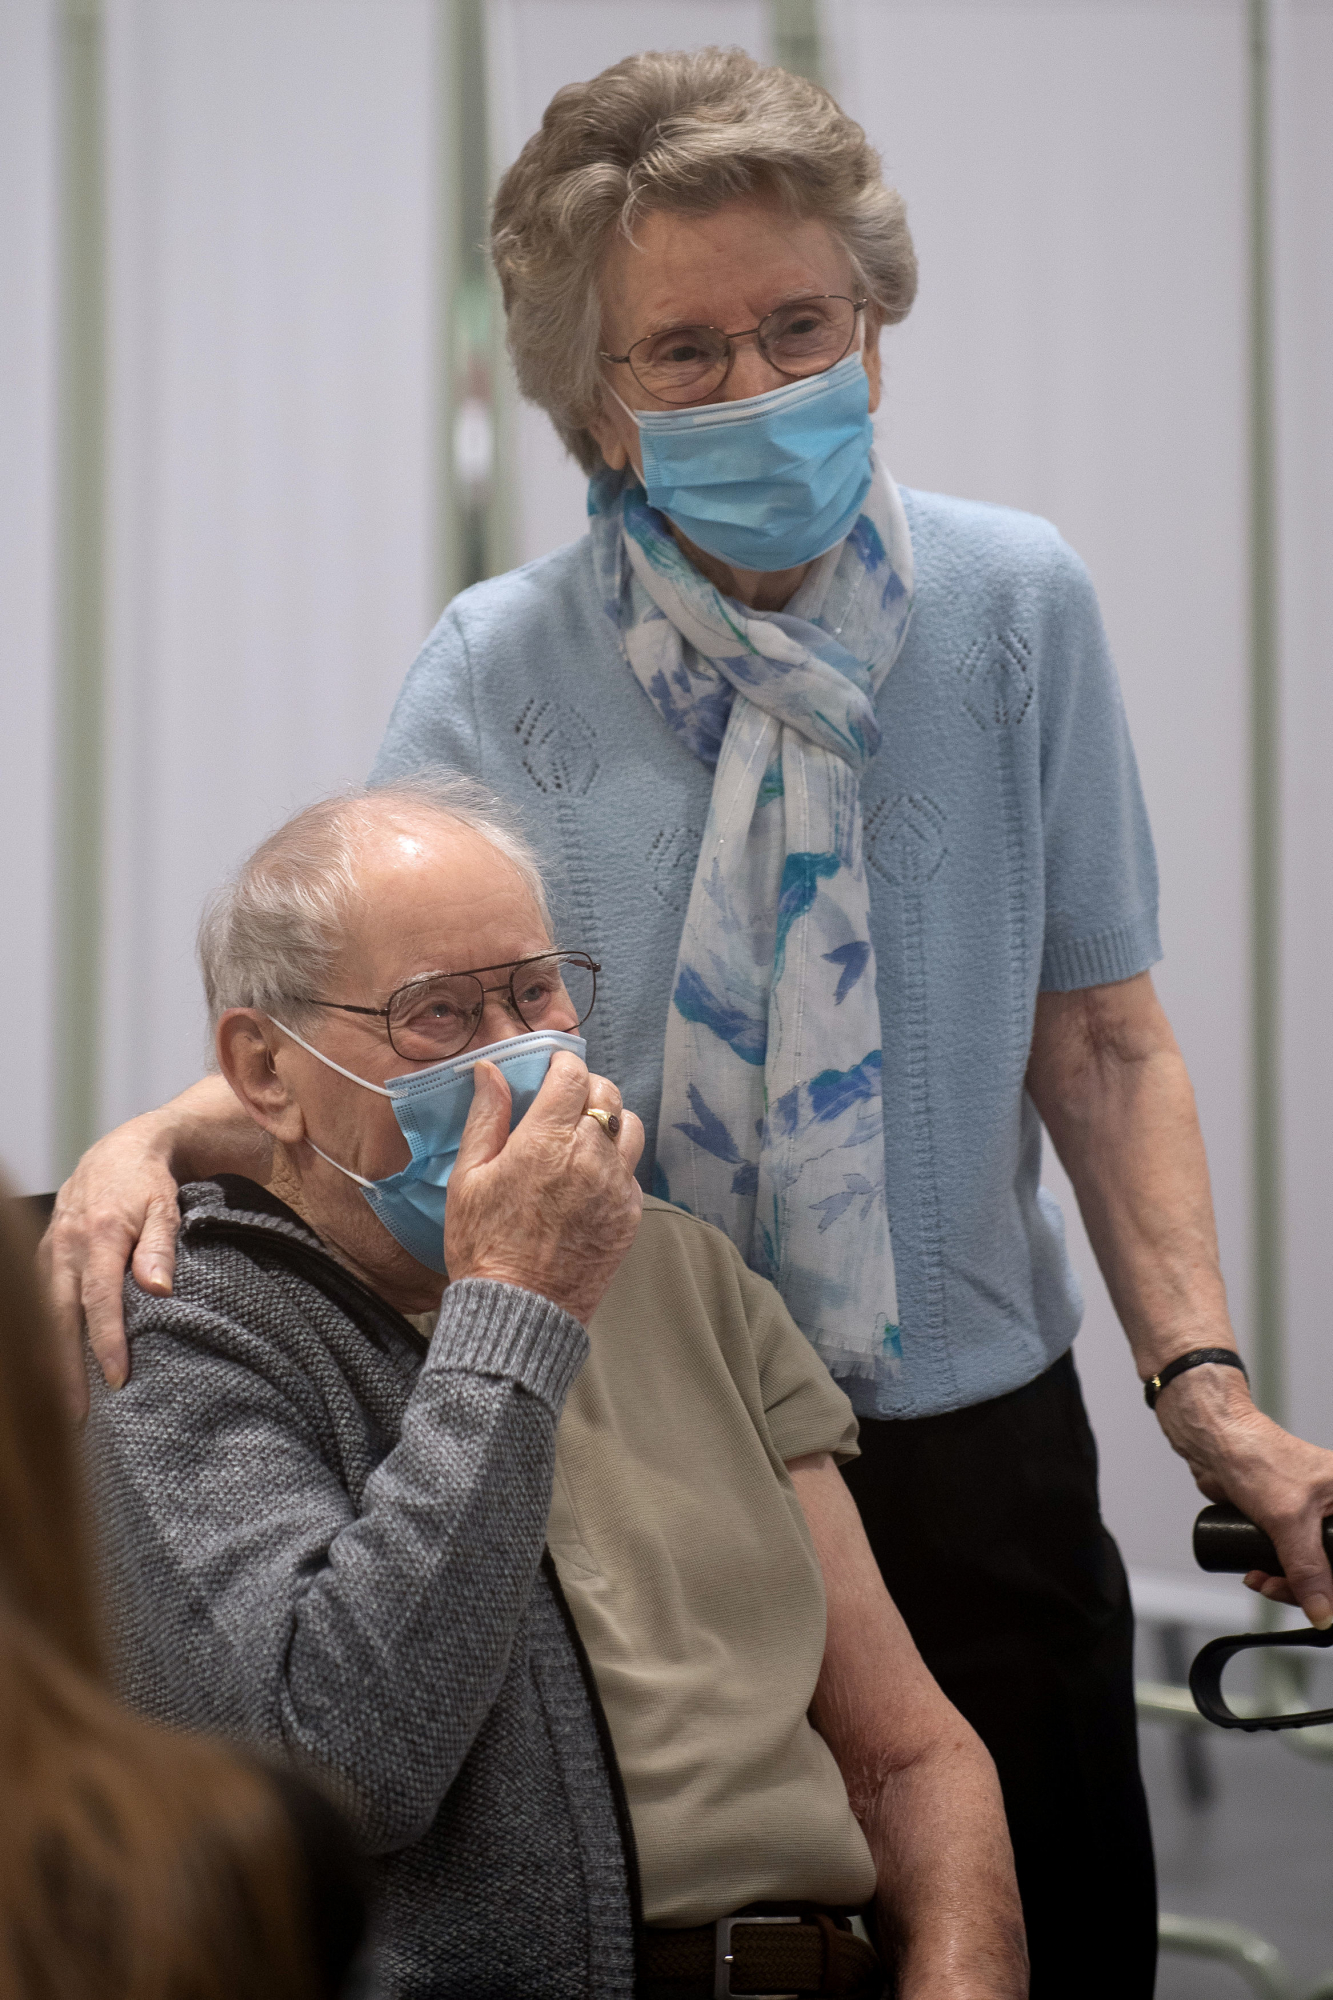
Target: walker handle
<point x="1225" y="1540"/>
<point x="1206" y="1680"/>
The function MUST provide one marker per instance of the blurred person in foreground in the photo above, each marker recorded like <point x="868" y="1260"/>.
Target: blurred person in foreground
<point x="136" y="1863"/>
<point x="843" y="794"/>
<point x="327" y="1486"/>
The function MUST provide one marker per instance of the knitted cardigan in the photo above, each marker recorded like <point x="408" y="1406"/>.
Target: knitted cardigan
<point x="320" y="1537"/>
<point x="1007" y="851"/>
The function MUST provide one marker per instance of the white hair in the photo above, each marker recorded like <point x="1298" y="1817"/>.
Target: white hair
<point x="276" y="930"/>
<point x="683" y="133"/>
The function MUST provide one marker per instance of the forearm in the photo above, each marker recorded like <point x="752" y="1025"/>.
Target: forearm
<point x="421" y="1596"/>
<point x="1111" y="1086"/>
<point x="205" y="1131"/>
<point x="947" y="1902"/>
<point x="1117" y="1100"/>
<point x="918" y="1778"/>
<point x="312" y="1611"/>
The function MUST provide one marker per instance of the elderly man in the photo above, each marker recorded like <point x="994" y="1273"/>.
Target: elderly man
<point x="326" y="1493"/>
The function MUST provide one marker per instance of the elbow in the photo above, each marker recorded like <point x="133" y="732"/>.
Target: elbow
<point x="383" y="1825"/>
<point x="388" y="1783"/>
<point x="384" y="1811"/>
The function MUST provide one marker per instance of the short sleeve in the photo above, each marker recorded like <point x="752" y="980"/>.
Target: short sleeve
<point x="434" y="722"/>
<point x="804" y="1408"/>
<point x="1100" y="868"/>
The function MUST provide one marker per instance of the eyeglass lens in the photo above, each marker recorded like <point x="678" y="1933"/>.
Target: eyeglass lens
<point x="687" y="363"/>
<point x="438" y="1017"/>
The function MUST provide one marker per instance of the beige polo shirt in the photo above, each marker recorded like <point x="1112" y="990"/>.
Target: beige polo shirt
<point x="690" y="1572"/>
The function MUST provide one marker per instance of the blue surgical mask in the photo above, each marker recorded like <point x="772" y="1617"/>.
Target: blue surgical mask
<point x="770" y="482"/>
<point x="431" y="1106"/>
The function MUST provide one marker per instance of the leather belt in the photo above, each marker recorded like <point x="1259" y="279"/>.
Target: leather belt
<point x="760" y="1956"/>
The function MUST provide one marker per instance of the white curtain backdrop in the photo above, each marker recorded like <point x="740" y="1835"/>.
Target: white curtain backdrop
<point x="1076" y="182"/>
<point x="27" y="583"/>
<point x="1303" y="147"/>
<point x="1075" y="172"/>
<point x="535" y="47"/>
<point x="272" y="204"/>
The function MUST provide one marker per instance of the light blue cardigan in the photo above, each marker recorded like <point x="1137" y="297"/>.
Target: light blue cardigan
<point x="1008" y="850"/>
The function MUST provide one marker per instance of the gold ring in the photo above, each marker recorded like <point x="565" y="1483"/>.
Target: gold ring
<point x="608" y="1120"/>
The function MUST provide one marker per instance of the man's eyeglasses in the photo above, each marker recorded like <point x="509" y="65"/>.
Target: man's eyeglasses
<point x="438" y="1014"/>
<point x="687" y="363"/>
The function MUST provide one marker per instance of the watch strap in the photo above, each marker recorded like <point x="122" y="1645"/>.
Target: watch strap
<point x="1225" y="1357"/>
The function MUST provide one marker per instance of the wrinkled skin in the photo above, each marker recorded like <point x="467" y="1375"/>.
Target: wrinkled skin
<point x="552" y="1207"/>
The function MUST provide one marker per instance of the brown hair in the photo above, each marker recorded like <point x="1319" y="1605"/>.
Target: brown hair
<point x="135" y="1863"/>
<point x="684" y="132"/>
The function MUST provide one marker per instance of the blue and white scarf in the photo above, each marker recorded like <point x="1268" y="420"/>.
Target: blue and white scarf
<point x="772" y="1104"/>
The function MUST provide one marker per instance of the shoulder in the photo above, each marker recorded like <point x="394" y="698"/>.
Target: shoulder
<point x="990" y="552"/>
<point x="513" y="637"/>
<point x="502" y="616"/>
<point x="216" y="1271"/>
<point x="677" y="1252"/>
<point x="674" y="1234"/>
<point x="681" y="1270"/>
<point x="241" y="1295"/>
<point x="804" y="1409"/>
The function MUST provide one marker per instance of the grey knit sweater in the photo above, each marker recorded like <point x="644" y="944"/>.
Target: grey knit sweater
<point x="321" y="1538"/>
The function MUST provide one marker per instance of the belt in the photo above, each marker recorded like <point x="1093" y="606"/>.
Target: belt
<point x="762" y="1957"/>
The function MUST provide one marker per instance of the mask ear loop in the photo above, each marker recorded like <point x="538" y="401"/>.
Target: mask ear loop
<point x="360" y="1179"/>
<point x="328" y="1061"/>
<point x="352" y="1077"/>
<point x="633" y="416"/>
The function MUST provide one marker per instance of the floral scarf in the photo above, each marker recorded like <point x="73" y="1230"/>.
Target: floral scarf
<point x="772" y="1104"/>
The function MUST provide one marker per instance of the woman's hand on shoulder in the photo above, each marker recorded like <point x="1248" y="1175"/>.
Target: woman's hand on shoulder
<point x="118" y="1208"/>
<point x="119" y="1202"/>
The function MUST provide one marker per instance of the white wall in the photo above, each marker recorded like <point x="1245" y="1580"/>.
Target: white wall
<point x="535" y="47"/>
<point x="27" y="581"/>
<point x="1304" y="314"/>
<point x="1075" y="181"/>
<point x="273" y="174"/>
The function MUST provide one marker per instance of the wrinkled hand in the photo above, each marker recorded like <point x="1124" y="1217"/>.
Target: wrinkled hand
<point x="120" y="1199"/>
<point x="1236" y="1453"/>
<point x="553" y="1205"/>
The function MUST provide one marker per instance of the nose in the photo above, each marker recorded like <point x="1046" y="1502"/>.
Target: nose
<point x="499" y="1020"/>
<point x="752" y="374"/>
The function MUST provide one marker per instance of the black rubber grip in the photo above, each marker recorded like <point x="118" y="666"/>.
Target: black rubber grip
<point x="1225" y="1540"/>
<point x="1206" y="1678"/>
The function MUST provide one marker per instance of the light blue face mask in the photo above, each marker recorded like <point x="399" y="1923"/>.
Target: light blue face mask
<point x="431" y="1106"/>
<point x="770" y="482"/>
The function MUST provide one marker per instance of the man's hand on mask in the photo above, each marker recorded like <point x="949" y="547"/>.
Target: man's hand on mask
<point x="553" y="1205"/>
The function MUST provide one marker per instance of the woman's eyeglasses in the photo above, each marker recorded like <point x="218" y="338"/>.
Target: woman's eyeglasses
<point x="687" y="363"/>
<point x="437" y="1015"/>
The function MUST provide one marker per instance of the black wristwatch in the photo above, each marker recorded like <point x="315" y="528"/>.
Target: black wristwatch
<point x="1226" y="1356"/>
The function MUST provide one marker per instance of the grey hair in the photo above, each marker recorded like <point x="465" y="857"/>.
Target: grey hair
<point x="276" y="930"/>
<point x="685" y="132"/>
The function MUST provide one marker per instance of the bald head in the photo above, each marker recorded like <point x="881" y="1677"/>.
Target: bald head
<point x="373" y="886"/>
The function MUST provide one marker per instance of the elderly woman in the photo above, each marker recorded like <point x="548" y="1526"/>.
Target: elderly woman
<point x="848" y="811"/>
<point x="325" y="1494"/>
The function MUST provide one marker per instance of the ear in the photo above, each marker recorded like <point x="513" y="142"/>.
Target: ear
<point x="617" y="438"/>
<point x="870" y="355"/>
<point x="249" y="1047"/>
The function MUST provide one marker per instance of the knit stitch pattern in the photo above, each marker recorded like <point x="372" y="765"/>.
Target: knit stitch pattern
<point x="1007" y="850"/>
<point x="320" y="1539"/>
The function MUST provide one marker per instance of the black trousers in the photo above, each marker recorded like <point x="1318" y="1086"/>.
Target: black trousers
<point x="986" y="1525"/>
